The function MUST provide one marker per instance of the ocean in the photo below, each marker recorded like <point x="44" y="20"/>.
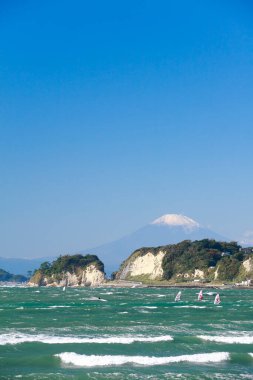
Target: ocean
<point x="121" y="333"/>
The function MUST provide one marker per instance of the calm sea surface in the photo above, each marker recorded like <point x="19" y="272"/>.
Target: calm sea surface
<point x="127" y="334"/>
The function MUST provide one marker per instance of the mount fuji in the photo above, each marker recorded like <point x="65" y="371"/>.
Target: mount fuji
<point x="168" y="229"/>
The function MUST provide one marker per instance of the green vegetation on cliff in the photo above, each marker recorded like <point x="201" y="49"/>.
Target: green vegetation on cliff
<point x="6" y="276"/>
<point x="221" y="261"/>
<point x="67" y="263"/>
<point x="204" y="255"/>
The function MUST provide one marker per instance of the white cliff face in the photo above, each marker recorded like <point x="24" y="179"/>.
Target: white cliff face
<point x="216" y="273"/>
<point x="199" y="274"/>
<point x="90" y="276"/>
<point x="93" y="276"/>
<point x="148" y="264"/>
<point x="71" y="279"/>
<point x="248" y="265"/>
<point x="151" y="265"/>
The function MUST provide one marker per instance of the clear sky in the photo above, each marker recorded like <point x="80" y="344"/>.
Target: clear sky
<point x="113" y="113"/>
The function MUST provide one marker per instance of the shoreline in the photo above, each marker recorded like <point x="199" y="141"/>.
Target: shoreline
<point x="135" y="284"/>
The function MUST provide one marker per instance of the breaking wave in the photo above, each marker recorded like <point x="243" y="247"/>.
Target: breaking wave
<point x="116" y="360"/>
<point x="47" y="339"/>
<point x="228" y="339"/>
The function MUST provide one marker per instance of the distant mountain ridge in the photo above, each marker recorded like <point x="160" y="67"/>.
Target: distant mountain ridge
<point x="22" y="266"/>
<point x="8" y="277"/>
<point x="168" y="229"/>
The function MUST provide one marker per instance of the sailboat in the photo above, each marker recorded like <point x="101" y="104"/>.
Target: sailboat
<point x="200" y="296"/>
<point x="217" y="300"/>
<point x="64" y="288"/>
<point x="178" y="296"/>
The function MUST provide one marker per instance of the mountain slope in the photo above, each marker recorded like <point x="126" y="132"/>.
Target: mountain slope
<point x="22" y="266"/>
<point x="168" y="229"/>
<point x="6" y="276"/>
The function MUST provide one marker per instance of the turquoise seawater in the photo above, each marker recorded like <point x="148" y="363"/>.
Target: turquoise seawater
<point x="46" y="333"/>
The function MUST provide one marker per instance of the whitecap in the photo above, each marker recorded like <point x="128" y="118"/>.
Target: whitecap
<point x="114" y="360"/>
<point x="107" y="293"/>
<point x="191" y="307"/>
<point x="227" y="339"/>
<point x="95" y="299"/>
<point x="16" y="338"/>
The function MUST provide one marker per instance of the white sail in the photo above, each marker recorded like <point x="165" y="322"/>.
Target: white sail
<point x="200" y="296"/>
<point x="217" y="300"/>
<point x="178" y="296"/>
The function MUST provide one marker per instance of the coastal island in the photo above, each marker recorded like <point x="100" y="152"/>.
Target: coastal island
<point x="202" y="261"/>
<point x="70" y="270"/>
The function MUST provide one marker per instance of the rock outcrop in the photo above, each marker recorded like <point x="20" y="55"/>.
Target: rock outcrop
<point x="68" y="270"/>
<point x="148" y="265"/>
<point x="248" y="265"/>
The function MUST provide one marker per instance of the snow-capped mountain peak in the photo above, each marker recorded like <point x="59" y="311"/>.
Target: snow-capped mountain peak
<point x="168" y="229"/>
<point x="176" y="220"/>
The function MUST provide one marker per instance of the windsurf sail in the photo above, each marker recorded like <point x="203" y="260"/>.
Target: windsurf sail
<point x="200" y="296"/>
<point x="178" y="296"/>
<point x="217" y="300"/>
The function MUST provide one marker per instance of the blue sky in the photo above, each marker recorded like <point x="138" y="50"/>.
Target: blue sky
<point x="114" y="113"/>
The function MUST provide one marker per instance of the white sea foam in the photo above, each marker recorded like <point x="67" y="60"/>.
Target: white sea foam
<point x="107" y="293"/>
<point x="111" y="360"/>
<point x="149" y="307"/>
<point x="227" y="339"/>
<point x="94" y="299"/>
<point x="16" y="338"/>
<point x="52" y="307"/>
<point x="191" y="307"/>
